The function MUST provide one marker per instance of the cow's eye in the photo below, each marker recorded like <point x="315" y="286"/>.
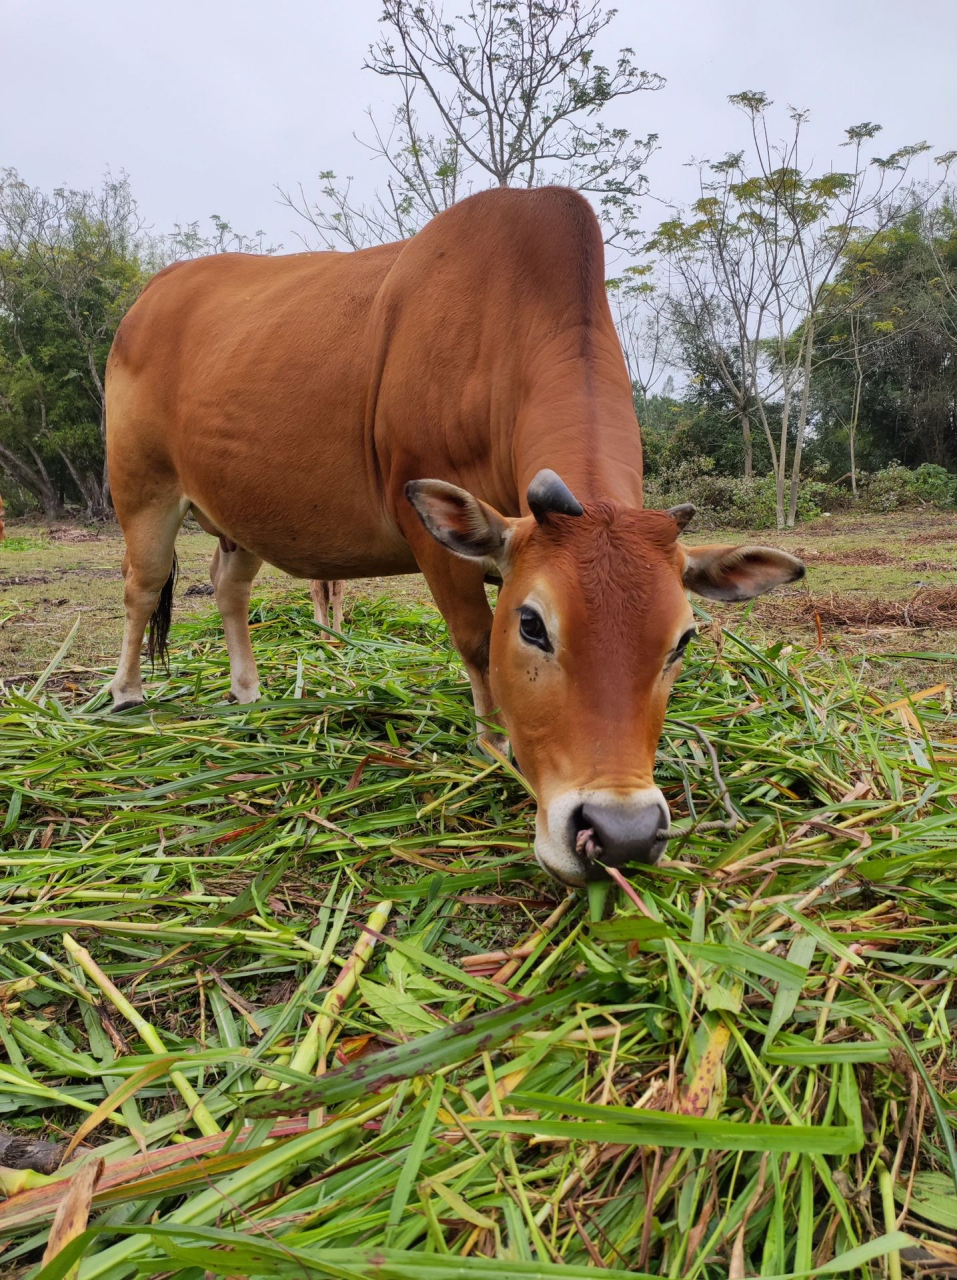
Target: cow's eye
<point x="679" y="649"/>
<point x="532" y="629"/>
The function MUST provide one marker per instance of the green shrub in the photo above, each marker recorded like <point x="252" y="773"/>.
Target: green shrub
<point x="934" y="485"/>
<point x="16" y="501"/>
<point x="731" y="500"/>
<point x="22" y="542"/>
<point x="897" y="487"/>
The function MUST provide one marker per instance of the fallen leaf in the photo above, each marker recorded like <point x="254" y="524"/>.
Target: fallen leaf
<point x="73" y="1213"/>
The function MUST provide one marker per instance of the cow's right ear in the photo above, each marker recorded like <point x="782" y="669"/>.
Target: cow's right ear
<point x="463" y="524"/>
<point x="738" y="573"/>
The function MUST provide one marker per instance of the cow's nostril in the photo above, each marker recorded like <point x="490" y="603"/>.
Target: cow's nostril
<point x="583" y="837"/>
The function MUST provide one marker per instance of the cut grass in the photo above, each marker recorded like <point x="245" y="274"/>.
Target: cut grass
<point x="275" y="949"/>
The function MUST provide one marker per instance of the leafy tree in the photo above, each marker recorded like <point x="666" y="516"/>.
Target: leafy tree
<point x="755" y="258"/>
<point x="887" y="347"/>
<point x="69" y="268"/>
<point x="71" y="264"/>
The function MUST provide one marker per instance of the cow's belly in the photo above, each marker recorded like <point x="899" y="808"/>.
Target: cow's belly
<point x="309" y="510"/>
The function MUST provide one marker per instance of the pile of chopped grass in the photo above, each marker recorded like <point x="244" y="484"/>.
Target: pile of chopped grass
<point x="290" y="973"/>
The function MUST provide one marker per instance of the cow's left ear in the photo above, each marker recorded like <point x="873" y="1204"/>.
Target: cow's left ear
<point x="738" y="573"/>
<point x="459" y="521"/>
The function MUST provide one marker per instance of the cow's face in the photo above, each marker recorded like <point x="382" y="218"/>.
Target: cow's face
<point x="589" y="631"/>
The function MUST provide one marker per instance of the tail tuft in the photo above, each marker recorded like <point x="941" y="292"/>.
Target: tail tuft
<point x="157" y="645"/>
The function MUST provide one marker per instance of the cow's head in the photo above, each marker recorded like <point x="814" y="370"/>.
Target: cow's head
<point x="589" y="631"/>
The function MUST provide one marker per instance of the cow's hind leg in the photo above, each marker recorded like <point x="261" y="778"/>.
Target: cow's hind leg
<point x="335" y="592"/>
<point x="149" y="571"/>
<point x="232" y="573"/>
<point x="320" y="602"/>
<point x="325" y="595"/>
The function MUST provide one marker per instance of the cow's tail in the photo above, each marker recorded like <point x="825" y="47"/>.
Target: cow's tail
<point x="157" y="645"/>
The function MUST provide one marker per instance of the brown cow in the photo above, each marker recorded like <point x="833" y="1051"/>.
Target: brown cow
<point x="295" y="404"/>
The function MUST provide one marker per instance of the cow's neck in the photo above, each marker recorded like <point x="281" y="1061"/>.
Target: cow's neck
<point x="580" y="422"/>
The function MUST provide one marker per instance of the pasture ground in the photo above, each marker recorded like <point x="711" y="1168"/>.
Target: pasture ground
<point x="881" y="584"/>
<point x="318" y="915"/>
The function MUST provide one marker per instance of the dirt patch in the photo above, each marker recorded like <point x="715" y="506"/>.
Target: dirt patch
<point x="930" y="535"/>
<point x="859" y="555"/>
<point x="95" y="573"/>
<point x="933" y="566"/>
<point x="43" y="579"/>
<point x="74" y="533"/>
<point x="26" y="580"/>
<point x="200" y="589"/>
<point x="912" y="523"/>
<point x="872" y="556"/>
<point x="826" y="528"/>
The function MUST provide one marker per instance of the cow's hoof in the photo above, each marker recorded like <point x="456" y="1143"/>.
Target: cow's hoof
<point x="125" y="706"/>
<point x="243" y="699"/>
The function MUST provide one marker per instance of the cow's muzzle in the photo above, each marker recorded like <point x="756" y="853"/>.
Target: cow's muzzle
<point x="618" y="836"/>
<point x="581" y="833"/>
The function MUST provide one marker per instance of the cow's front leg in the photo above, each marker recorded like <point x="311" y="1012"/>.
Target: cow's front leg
<point x="232" y="572"/>
<point x="458" y="588"/>
<point x="473" y="647"/>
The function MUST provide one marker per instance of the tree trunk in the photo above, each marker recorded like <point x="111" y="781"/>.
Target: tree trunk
<point x="801" y="426"/>
<point x="35" y="480"/>
<point x="856" y="410"/>
<point x="781" y="469"/>
<point x="106" y="497"/>
<point x="748" y="447"/>
<point x="88" y="486"/>
<point x="775" y="460"/>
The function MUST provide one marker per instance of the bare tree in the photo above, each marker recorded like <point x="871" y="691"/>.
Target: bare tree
<point x="760" y="248"/>
<point x="641" y="308"/>
<point x="854" y="417"/>
<point x="509" y="93"/>
<point x="188" y="241"/>
<point x="701" y="318"/>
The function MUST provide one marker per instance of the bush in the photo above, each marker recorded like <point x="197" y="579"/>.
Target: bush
<point x="897" y="487"/>
<point x="17" y="501"/>
<point x="731" y="500"/>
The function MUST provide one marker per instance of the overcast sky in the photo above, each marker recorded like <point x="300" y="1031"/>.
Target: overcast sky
<point x="209" y="105"/>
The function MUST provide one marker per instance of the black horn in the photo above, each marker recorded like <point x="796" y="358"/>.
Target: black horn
<point x="682" y="515"/>
<point x="549" y="493"/>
